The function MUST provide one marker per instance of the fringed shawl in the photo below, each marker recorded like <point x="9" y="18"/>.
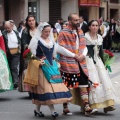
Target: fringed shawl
<point x="67" y="39"/>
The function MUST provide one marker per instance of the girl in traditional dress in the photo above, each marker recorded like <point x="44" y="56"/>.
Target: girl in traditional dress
<point x="101" y="96"/>
<point x="42" y="46"/>
<point x="5" y="75"/>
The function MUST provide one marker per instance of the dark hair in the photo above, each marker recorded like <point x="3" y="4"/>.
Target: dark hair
<point x="90" y="23"/>
<point x="26" y="24"/>
<point x="61" y="19"/>
<point x="46" y="26"/>
<point x="51" y="24"/>
<point x="82" y="17"/>
<point x="111" y="20"/>
<point x="20" y="24"/>
<point x="70" y="16"/>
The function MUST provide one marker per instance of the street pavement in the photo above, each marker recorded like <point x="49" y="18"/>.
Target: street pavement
<point x="115" y="76"/>
<point x="18" y="106"/>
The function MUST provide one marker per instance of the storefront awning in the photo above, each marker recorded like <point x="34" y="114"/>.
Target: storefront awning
<point x="89" y="3"/>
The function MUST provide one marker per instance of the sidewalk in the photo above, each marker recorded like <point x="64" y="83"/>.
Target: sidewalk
<point x="115" y="77"/>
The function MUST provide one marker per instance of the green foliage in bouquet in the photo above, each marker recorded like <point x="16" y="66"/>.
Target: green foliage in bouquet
<point x="28" y="54"/>
<point x="108" y="58"/>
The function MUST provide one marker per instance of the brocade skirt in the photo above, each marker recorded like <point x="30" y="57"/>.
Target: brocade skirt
<point x="46" y="93"/>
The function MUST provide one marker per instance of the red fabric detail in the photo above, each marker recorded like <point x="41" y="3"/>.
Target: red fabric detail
<point x="2" y="44"/>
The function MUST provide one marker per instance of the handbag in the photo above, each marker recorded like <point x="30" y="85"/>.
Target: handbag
<point x="52" y="72"/>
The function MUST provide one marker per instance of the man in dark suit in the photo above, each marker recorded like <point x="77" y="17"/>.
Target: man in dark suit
<point x="13" y="49"/>
<point x="83" y="25"/>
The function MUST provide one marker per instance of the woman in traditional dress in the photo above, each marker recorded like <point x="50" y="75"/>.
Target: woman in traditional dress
<point x="27" y="34"/>
<point x="5" y="75"/>
<point x="42" y="46"/>
<point x="102" y="95"/>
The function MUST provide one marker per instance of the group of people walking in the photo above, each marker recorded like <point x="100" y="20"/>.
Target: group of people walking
<point x="109" y="31"/>
<point x="80" y="78"/>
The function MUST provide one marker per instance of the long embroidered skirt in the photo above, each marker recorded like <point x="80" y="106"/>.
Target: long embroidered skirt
<point x="103" y="95"/>
<point x="5" y="75"/>
<point x="46" y="93"/>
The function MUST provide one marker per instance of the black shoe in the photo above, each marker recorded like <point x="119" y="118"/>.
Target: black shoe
<point x="107" y="109"/>
<point x="15" y="85"/>
<point x="39" y="114"/>
<point x="54" y="115"/>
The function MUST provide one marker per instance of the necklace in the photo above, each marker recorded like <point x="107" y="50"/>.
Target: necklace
<point x="32" y="32"/>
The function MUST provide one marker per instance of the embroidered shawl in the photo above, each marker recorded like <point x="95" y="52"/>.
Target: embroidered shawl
<point x="67" y="39"/>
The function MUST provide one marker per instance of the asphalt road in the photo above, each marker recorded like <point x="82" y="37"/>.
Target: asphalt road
<point x="18" y="106"/>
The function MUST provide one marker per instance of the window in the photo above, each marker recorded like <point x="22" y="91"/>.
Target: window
<point x="114" y="1"/>
<point x="32" y="7"/>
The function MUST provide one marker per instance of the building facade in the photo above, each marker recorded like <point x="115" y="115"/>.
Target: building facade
<point x="51" y="10"/>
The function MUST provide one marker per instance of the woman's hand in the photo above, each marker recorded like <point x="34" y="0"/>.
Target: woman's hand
<point x="42" y="62"/>
<point x="79" y="58"/>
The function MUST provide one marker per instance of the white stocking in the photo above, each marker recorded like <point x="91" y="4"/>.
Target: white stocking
<point x="38" y="108"/>
<point x="52" y="109"/>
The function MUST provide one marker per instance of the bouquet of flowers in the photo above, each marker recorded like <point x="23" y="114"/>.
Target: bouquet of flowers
<point x="108" y="58"/>
<point x="28" y="54"/>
